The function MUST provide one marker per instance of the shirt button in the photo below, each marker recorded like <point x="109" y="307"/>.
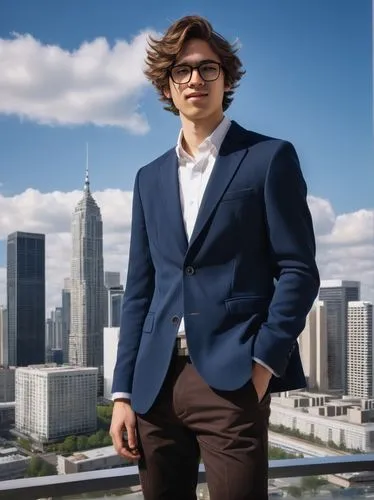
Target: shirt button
<point x="190" y="270"/>
<point x="175" y="320"/>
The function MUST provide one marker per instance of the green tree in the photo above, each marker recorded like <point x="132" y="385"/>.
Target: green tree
<point x="279" y="454"/>
<point x="101" y="435"/>
<point x="24" y="443"/>
<point x="33" y="467"/>
<point x="107" y="440"/>
<point x="312" y="483"/>
<point x="93" y="441"/>
<point x="47" y="469"/>
<point x="104" y="416"/>
<point x="295" y="491"/>
<point x="82" y="443"/>
<point x="70" y="444"/>
<point x="39" y="467"/>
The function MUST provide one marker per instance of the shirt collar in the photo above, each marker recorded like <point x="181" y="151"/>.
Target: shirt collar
<point x="211" y="143"/>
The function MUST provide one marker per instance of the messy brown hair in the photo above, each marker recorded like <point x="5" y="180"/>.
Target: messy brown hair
<point x="163" y="53"/>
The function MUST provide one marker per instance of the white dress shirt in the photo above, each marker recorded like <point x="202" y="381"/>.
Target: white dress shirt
<point x="194" y="174"/>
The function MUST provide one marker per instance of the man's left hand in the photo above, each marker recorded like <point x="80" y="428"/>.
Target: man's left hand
<point x="260" y="378"/>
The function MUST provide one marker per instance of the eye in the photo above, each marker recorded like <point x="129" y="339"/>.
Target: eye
<point x="209" y="70"/>
<point x="181" y="71"/>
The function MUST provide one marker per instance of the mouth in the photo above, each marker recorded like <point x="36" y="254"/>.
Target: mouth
<point x="196" y="95"/>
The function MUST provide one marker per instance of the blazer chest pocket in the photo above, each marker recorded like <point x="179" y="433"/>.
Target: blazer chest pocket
<point x="148" y="323"/>
<point x="247" y="305"/>
<point x="238" y="194"/>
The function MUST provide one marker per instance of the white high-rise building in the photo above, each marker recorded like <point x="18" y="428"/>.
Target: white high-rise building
<point x="87" y="284"/>
<point x="111" y="336"/>
<point x="55" y="401"/>
<point x="313" y="348"/>
<point x="360" y="349"/>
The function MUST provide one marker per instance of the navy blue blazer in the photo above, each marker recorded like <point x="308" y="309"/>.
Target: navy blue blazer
<point x="244" y="283"/>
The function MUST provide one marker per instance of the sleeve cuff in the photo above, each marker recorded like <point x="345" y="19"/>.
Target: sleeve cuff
<point x="121" y="395"/>
<point x="265" y="366"/>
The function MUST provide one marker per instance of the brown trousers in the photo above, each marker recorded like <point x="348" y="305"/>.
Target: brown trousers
<point x="188" y="421"/>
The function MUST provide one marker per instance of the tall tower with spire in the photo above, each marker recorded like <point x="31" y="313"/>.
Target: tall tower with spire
<point x="87" y="282"/>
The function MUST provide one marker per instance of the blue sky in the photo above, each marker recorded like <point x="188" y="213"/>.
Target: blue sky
<point x="309" y="68"/>
<point x="309" y="80"/>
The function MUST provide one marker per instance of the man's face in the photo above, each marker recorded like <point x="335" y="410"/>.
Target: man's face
<point x="197" y="99"/>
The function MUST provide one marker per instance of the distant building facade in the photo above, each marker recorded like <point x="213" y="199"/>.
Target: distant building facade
<point x="26" y="298"/>
<point x="3" y="336"/>
<point x="53" y="402"/>
<point x="360" y="349"/>
<point x="336" y="294"/>
<point x="313" y="348"/>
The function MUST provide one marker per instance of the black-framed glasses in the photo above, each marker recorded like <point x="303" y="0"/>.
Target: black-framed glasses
<point x="209" y="71"/>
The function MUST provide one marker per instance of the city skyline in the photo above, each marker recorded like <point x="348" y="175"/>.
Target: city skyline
<point x="78" y="119"/>
<point x="316" y="93"/>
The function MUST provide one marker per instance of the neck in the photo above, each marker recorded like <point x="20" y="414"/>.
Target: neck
<point x="195" y="132"/>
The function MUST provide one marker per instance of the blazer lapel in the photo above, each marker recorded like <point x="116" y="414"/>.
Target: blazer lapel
<point x="228" y="161"/>
<point x="170" y="190"/>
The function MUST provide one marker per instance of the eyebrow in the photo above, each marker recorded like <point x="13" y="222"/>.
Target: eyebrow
<point x="204" y="61"/>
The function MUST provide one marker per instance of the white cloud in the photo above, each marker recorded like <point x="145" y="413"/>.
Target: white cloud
<point x="95" y="84"/>
<point x="350" y="229"/>
<point x="345" y="242"/>
<point x="323" y="215"/>
<point x="51" y="213"/>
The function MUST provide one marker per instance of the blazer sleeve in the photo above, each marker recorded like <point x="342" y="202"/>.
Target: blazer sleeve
<point x="137" y="297"/>
<point x="292" y="247"/>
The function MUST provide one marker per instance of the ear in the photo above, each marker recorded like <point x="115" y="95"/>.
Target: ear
<point x="166" y="92"/>
<point x="227" y="87"/>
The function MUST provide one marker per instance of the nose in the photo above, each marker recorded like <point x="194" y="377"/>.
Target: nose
<point x="196" y="78"/>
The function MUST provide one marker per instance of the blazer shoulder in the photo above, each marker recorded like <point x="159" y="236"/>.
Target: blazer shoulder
<point x="151" y="167"/>
<point x="257" y="140"/>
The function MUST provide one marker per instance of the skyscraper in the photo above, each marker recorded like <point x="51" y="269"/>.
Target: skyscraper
<point x="3" y="336"/>
<point x="87" y="283"/>
<point x="26" y="298"/>
<point x="336" y="294"/>
<point x="66" y="319"/>
<point x="114" y="306"/>
<point x="54" y="331"/>
<point x="360" y="349"/>
<point x="313" y="348"/>
<point x="112" y="279"/>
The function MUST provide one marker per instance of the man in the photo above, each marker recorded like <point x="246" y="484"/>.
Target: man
<point x="221" y="277"/>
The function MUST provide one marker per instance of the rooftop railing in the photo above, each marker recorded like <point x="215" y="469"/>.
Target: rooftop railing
<point x="126" y="477"/>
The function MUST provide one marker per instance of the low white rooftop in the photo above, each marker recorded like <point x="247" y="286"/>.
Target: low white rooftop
<point x="339" y="284"/>
<point x="54" y="368"/>
<point x="8" y="455"/>
<point x="81" y="456"/>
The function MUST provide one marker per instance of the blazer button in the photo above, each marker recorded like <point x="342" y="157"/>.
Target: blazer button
<point x="190" y="270"/>
<point x="175" y="320"/>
